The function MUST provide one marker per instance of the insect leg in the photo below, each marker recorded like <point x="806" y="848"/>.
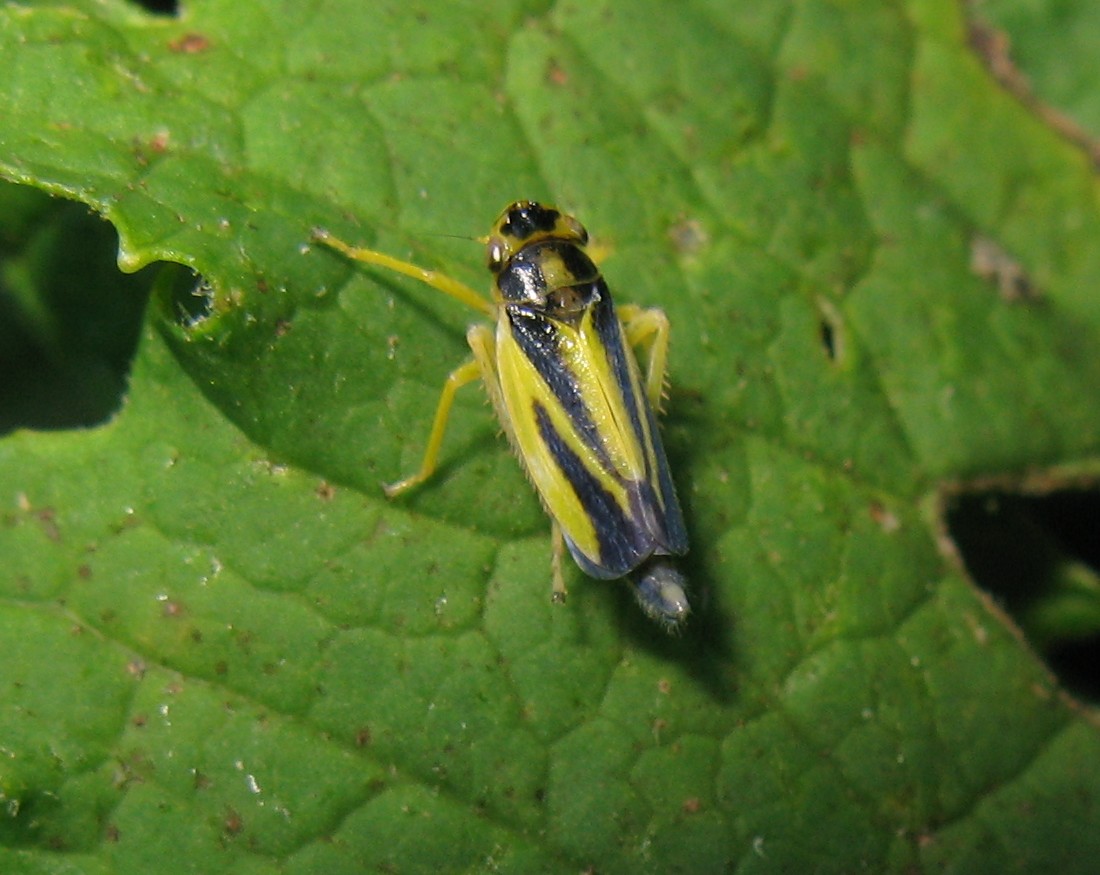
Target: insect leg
<point x="438" y="281"/>
<point x="484" y="346"/>
<point x="649" y="327"/>
<point x="557" y="541"/>
<point x="459" y="377"/>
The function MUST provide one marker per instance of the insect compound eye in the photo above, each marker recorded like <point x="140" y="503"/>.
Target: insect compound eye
<point x="495" y="252"/>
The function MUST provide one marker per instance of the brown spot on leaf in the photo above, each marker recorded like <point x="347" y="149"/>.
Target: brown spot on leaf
<point x="189" y="44"/>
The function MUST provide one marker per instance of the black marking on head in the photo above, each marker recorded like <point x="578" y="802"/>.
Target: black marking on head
<point x="527" y="218"/>
<point x="526" y="223"/>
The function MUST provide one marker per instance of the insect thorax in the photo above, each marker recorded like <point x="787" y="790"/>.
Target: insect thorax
<point x="553" y="276"/>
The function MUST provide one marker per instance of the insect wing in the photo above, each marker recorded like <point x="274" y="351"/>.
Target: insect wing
<point x="587" y="436"/>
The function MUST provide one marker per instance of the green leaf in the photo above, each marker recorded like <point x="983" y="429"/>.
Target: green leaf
<point x="226" y="651"/>
<point x="1050" y="52"/>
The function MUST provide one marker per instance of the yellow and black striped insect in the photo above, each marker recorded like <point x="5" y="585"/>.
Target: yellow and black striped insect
<point x="569" y="393"/>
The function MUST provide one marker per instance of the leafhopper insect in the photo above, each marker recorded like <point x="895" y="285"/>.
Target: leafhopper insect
<point x="562" y="378"/>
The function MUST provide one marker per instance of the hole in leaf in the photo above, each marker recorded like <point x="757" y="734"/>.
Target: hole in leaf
<point x="190" y="298"/>
<point x="159" y="7"/>
<point x="831" y="329"/>
<point x="1040" y="557"/>
<point x="828" y="340"/>
<point x="69" y="318"/>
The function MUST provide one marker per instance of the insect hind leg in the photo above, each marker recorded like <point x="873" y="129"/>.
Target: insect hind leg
<point x="558" y="591"/>
<point x="649" y="327"/>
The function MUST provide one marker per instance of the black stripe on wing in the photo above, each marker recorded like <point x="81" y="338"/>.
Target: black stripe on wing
<point x="537" y="337"/>
<point x="670" y="531"/>
<point x="623" y="543"/>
